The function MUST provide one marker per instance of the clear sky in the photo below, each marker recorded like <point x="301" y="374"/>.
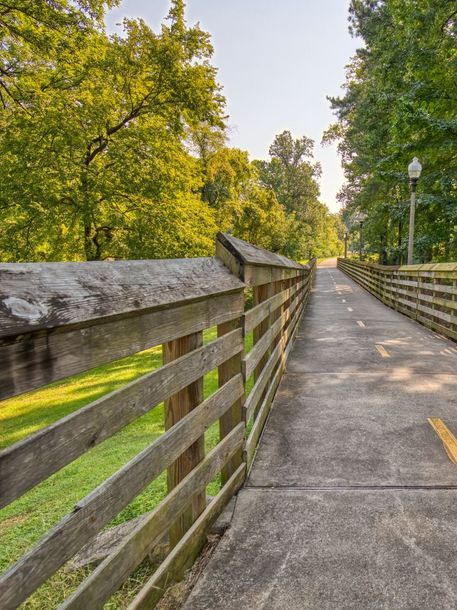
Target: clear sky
<point x="277" y="61"/>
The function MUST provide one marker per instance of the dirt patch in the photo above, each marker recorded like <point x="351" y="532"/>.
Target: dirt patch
<point x="177" y="594"/>
<point x="11" y="522"/>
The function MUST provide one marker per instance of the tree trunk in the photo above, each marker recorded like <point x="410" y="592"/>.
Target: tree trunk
<point x="91" y="251"/>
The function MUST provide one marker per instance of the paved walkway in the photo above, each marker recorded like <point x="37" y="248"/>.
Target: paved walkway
<point x="352" y="501"/>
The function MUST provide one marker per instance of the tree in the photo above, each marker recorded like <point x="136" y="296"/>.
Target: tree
<point x="231" y="188"/>
<point x="35" y="33"/>
<point x="400" y="102"/>
<point x="100" y="156"/>
<point x="115" y="146"/>
<point x="292" y="176"/>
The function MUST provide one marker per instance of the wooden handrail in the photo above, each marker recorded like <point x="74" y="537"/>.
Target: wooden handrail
<point x="59" y="319"/>
<point x="253" y="265"/>
<point x="426" y="293"/>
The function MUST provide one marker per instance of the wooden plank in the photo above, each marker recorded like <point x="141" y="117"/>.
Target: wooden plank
<point x="442" y="275"/>
<point x="228" y="369"/>
<point x="253" y="255"/>
<point x="446" y="437"/>
<point x="256" y="430"/>
<point x="118" y="566"/>
<point x="452" y="290"/>
<point x="260" y="294"/>
<point x="437" y="301"/>
<point x="254" y="435"/>
<point x="177" y="407"/>
<point x="448" y="267"/>
<point x="293" y="329"/>
<point x="28" y="462"/>
<point x="443" y="301"/>
<point x="298" y="294"/>
<point x="258" y="266"/>
<point x="436" y="313"/>
<point x="186" y="551"/>
<point x="281" y="351"/>
<point x="38" y="296"/>
<point x="230" y="261"/>
<point x="277" y="313"/>
<point x="261" y="383"/>
<point x="255" y="275"/>
<point x="257" y="314"/>
<point x="99" y="507"/>
<point x="40" y="358"/>
<point x="451" y="333"/>
<point x="255" y="356"/>
<point x="259" y="352"/>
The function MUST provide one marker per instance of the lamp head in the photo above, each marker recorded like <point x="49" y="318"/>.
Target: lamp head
<point x="361" y="217"/>
<point x="414" y="169"/>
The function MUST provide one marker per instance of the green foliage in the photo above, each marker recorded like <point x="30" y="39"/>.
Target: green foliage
<point x="96" y="165"/>
<point x="400" y="102"/>
<point x="292" y="176"/>
<point x="115" y="147"/>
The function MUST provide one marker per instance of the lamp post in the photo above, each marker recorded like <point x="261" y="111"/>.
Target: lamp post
<point x="414" y="171"/>
<point x="360" y="218"/>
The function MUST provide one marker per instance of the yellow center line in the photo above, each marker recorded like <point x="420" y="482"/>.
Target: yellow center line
<point x="360" y="323"/>
<point x="445" y="435"/>
<point x="382" y="350"/>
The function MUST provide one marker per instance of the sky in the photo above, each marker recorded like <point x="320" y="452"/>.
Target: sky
<point x="277" y="62"/>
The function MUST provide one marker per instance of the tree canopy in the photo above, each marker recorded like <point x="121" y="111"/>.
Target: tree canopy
<point x="292" y="175"/>
<point x="400" y="101"/>
<point x="114" y="146"/>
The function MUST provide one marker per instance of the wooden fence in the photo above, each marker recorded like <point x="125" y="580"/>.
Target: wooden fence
<point x="59" y="319"/>
<point x="425" y="293"/>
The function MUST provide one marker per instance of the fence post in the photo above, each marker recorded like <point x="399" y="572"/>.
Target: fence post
<point x="262" y="293"/>
<point x="230" y="368"/>
<point x="176" y="407"/>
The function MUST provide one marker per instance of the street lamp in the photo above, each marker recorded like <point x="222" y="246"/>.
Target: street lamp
<point x="414" y="171"/>
<point x="360" y="218"/>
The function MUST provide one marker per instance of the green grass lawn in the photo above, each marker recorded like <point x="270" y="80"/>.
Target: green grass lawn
<point x="26" y="520"/>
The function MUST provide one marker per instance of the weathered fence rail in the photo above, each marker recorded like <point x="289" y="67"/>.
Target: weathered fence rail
<point x="59" y="319"/>
<point x="425" y="293"/>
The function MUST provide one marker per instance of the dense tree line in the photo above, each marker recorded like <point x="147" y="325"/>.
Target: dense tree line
<point x="400" y="101"/>
<point x="114" y="146"/>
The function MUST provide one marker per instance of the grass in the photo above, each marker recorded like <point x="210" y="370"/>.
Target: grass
<point x="27" y="519"/>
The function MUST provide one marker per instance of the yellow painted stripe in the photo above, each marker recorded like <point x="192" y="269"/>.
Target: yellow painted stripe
<point x="360" y="323"/>
<point x="448" y="439"/>
<point x="382" y="350"/>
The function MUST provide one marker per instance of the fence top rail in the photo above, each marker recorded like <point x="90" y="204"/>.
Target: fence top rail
<point x="252" y="255"/>
<point x="37" y="296"/>
<point x="421" y="267"/>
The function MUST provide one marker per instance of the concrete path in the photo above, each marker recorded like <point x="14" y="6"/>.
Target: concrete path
<point x="352" y="501"/>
